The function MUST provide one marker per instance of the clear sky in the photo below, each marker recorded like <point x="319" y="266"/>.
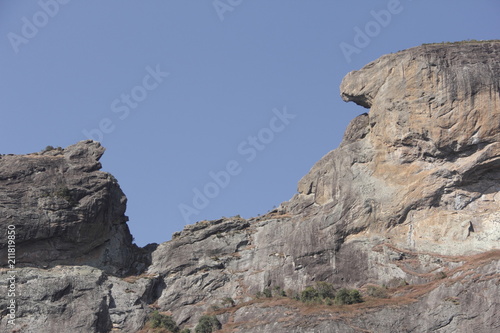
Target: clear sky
<point x="225" y="103"/>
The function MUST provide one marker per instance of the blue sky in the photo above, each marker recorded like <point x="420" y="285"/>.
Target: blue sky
<point x="227" y="103"/>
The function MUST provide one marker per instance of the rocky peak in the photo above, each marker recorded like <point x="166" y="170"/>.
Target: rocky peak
<point x="427" y="151"/>
<point x="65" y="210"/>
<point x="84" y="154"/>
<point x="447" y="95"/>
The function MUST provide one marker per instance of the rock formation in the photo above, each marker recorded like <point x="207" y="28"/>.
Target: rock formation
<point x="66" y="211"/>
<point x="408" y="204"/>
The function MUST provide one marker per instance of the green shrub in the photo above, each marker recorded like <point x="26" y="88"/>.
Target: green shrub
<point x="325" y="290"/>
<point x="396" y="282"/>
<point x="348" y="296"/>
<point x="342" y="296"/>
<point x="309" y="294"/>
<point x="227" y="302"/>
<point x="157" y="320"/>
<point x="376" y="291"/>
<point x="278" y="291"/>
<point x="355" y="296"/>
<point x="186" y="330"/>
<point x="322" y="293"/>
<point x="208" y="324"/>
<point x="214" y="307"/>
<point x="268" y="293"/>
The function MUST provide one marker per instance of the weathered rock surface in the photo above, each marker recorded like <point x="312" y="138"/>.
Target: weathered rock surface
<point x="65" y="210"/>
<point x="80" y="299"/>
<point x="434" y="138"/>
<point x="410" y="200"/>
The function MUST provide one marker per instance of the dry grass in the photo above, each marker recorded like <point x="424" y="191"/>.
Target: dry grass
<point x="134" y="278"/>
<point x="468" y="41"/>
<point x="235" y="255"/>
<point x="154" y="306"/>
<point x="398" y="296"/>
<point x="279" y="216"/>
<point x="411" y="263"/>
<point x="148" y="329"/>
<point x="49" y="157"/>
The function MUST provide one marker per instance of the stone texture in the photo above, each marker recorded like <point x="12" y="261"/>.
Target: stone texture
<point x="418" y="172"/>
<point x="434" y="129"/>
<point x="79" y="299"/>
<point x="410" y="200"/>
<point x="65" y="210"/>
<point x="449" y="307"/>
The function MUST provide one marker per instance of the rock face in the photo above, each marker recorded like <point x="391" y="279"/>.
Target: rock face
<point x="72" y="242"/>
<point x="423" y="166"/>
<point x="65" y="210"/>
<point x="409" y="200"/>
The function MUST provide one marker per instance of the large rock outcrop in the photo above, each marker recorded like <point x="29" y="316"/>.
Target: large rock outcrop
<point x="422" y="167"/>
<point x="409" y="200"/>
<point x="65" y="210"/>
<point x="434" y="129"/>
<point x="72" y="244"/>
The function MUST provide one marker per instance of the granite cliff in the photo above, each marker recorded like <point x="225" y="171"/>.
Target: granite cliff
<point x="407" y="205"/>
